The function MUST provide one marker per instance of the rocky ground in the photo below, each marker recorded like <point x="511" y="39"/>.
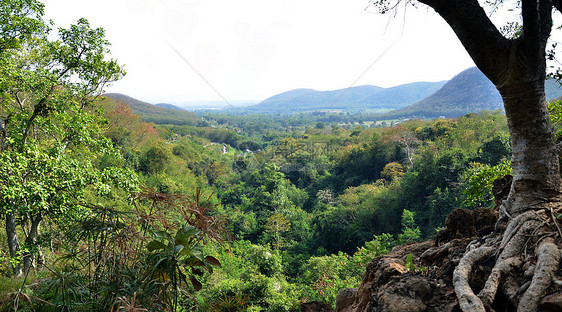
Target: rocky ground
<point x="418" y="277"/>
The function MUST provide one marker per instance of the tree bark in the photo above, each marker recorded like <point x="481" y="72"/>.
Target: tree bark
<point x="536" y="173"/>
<point x="31" y="241"/>
<point x="13" y="244"/>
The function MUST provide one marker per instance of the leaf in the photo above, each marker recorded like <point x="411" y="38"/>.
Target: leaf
<point x="197" y="272"/>
<point x="184" y="234"/>
<point x="212" y="261"/>
<point x="197" y="254"/>
<point x="178" y="249"/>
<point x="184" y="252"/>
<point x="162" y="234"/>
<point x="155" y="245"/>
<point x="192" y="261"/>
<point x="196" y="284"/>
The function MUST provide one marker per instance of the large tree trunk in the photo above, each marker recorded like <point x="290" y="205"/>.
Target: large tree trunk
<point x="536" y="172"/>
<point x="13" y="244"/>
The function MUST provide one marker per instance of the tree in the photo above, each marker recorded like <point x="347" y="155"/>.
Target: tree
<point x="276" y="224"/>
<point x="517" y="67"/>
<point x="51" y="130"/>
<point x="409" y="141"/>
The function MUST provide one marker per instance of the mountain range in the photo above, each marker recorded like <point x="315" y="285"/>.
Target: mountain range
<point x="351" y="99"/>
<point x="468" y="92"/>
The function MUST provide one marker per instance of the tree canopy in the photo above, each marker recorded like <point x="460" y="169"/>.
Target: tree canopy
<point x="51" y="128"/>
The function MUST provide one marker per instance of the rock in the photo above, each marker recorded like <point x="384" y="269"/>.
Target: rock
<point x="404" y="294"/>
<point x="390" y="302"/>
<point x="552" y="302"/>
<point x="346" y="297"/>
<point x="432" y="254"/>
<point x="315" y="306"/>
<point x="464" y="223"/>
<point x="388" y="286"/>
<point x="377" y="273"/>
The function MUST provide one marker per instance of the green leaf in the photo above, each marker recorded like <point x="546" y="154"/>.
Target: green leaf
<point x="178" y="249"/>
<point x="184" y="252"/>
<point x="156" y="245"/>
<point x="184" y="234"/>
<point x="163" y="234"/>
<point x="197" y="254"/>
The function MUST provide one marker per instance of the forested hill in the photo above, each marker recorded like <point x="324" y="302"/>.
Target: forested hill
<point x="169" y="106"/>
<point x="468" y="92"/>
<point x="352" y="99"/>
<point x="159" y="114"/>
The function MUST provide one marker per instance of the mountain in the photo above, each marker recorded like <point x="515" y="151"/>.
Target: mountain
<point x="350" y="99"/>
<point x="169" y="106"/>
<point x="157" y="114"/>
<point x="468" y="92"/>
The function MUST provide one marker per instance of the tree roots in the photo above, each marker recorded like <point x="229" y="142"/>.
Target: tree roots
<point x="530" y="228"/>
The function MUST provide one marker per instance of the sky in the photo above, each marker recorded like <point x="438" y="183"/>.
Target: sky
<point x="178" y="51"/>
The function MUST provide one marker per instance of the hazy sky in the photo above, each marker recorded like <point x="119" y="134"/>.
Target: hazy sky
<point x="253" y="49"/>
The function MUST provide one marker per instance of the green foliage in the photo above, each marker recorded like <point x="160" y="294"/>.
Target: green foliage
<point x="380" y="245"/>
<point x="19" y="21"/>
<point x="114" y="256"/>
<point x="495" y="150"/>
<point x="555" y="112"/>
<point x="51" y="129"/>
<point x="392" y="170"/>
<point x="410" y="233"/>
<point x="479" y="179"/>
<point x="175" y="258"/>
<point x="153" y="160"/>
<point x="412" y="267"/>
<point x="250" y="279"/>
<point x="362" y="212"/>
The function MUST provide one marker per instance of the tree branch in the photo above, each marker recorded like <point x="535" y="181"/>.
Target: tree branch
<point x="482" y="40"/>
<point x="537" y="24"/>
<point x="38" y="110"/>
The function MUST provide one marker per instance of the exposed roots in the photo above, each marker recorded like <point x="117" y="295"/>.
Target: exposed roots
<point x="547" y="264"/>
<point x="488" y="293"/>
<point x="468" y="301"/>
<point x="529" y="228"/>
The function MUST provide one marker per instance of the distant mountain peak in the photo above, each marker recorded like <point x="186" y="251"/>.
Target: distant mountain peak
<point x="357" y="98"/>
<point x="169" y="106"/>
<point x="470" y="91"/>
